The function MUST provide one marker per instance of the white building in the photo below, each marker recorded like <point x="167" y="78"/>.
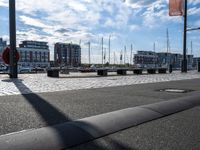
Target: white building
<point x="34" y="54"/>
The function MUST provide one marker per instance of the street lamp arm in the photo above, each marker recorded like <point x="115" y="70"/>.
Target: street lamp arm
<point x="192" y="29"/>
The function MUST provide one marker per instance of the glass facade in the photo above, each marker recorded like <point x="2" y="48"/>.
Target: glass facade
<point x="67" y="54"/>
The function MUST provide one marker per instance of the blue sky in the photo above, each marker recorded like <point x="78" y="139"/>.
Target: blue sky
<point x="137" y="22"/>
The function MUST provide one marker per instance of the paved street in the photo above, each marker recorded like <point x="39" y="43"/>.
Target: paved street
<point x="49" y="101"/>
<point x="39" y="83"/>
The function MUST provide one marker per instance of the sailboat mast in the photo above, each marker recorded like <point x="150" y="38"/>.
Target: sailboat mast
<point x="102" y="50"/>
<point x="124" y="55"/>
<point x="89" y="53"/>
<point x="131" y="57"/>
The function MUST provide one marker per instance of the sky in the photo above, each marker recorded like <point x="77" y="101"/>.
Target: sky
<point x="138" y="22"/>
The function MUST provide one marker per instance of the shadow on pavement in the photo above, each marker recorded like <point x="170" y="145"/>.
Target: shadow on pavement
<point x="53" y="116"/>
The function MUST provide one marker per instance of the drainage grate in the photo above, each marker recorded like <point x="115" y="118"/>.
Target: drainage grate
<point x="175" y="90"/>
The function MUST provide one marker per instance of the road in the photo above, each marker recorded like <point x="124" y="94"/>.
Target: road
<point x="36" y="110"/>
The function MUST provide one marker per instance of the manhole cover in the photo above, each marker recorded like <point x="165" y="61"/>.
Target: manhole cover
<point x="176" y="90"/>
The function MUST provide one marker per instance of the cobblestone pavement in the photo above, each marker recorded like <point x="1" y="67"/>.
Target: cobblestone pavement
<point x="39" y="83"/>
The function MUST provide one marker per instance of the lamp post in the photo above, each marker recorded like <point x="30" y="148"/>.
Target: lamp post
<point x="184" y="61"/>
<point x="13" y="51"/>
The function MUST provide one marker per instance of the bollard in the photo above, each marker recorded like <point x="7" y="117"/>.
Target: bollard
<point x="170" y="68"/>
<point x="198" y="66"/>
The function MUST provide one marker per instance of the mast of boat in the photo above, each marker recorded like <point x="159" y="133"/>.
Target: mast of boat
<point x="131" y="57"/>
<point x="104" y="56"/>
<point x="109" y="49"/>
<point x="114" y="57"/>
<point x="154" y="49"/>
<point x="89" y="53"/>
<point x="102" y="50"/>
<point x="121" y="57"/>
<point x="168" y="49"/>
<point x="191" y="48"/>
<point x="124" y="55"/>
<point x="168" y="46"/>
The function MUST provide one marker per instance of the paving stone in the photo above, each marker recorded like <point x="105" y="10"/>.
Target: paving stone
<point x="40" y="83"/>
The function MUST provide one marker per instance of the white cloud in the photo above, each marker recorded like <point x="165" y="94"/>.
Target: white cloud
<point x="33" y="22"/>
<point x="194" y="11"/>
<point x="134" y="27"/>
<point x="4" y="3"/>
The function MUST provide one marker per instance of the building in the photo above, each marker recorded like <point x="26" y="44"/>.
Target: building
<point x="145" y="59"/>
<point x="164" y="59"/>
<point x="190" y="61"/>
<point x="195" y="62"/>
<point x="3" y="44"/>
<point x="34" y="54"/>
<point x="148" y="59"/>
<point x="67" y="54"/>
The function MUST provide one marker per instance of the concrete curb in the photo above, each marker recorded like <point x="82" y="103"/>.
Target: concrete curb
<point x="77" y="132"/>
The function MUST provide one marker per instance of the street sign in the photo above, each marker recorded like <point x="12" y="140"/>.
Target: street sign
<point x="6" y="57"/>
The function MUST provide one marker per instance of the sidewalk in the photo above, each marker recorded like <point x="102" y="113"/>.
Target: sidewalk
<point x="40" y="83"/>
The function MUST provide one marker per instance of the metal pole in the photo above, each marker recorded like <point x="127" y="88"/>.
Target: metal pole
<point x="184" y="61"/>
<point x="12" y="24"/>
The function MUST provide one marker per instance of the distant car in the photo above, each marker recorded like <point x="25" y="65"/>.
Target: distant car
<point x="24" y="70"/>
<point x="38" y="69"/>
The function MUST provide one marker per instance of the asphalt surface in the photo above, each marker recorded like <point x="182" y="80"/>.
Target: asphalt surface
<point x="178" y="131"/>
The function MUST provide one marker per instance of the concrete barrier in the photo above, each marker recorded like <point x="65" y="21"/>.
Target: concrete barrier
<point x="121" y="71"/>
<point x="162" y="70"/>
<point x="151" y="71"/>
<point x="102" y="72"/>
<point x="53" y="73"/>
<point x="137" y="71"/>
